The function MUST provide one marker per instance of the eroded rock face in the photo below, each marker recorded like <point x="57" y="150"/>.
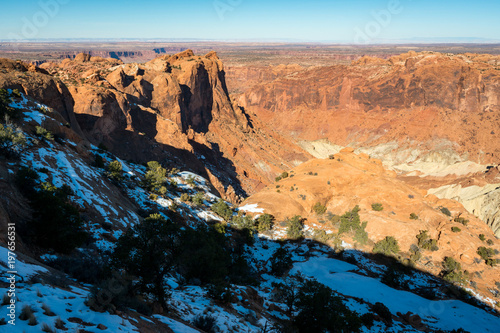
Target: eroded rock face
<point x="37" y="84"/>
<point x="179" y="104"/>
<point x="414" y="96"/>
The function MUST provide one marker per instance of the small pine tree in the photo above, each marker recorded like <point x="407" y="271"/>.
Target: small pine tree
<point x="265" y="222"/>
<point x="387" y="246"/>
<point x="294" y="227"/>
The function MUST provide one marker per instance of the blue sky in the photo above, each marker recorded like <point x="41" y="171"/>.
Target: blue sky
<point x="320" y="20"/>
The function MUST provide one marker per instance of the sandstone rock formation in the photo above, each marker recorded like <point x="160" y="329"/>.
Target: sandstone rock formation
<point x="178" y="107"/>
<point x="350" y="179"/>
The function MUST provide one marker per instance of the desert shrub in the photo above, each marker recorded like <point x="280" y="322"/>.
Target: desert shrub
<point x="222" y="209"/>
<point x="190" y="180"/>
<point x="452" y="271"/>
<point x="320" y="310"/>
<point x="42" y="133"/>
<point x="59" y="324"/>
<point x="47" y="328"/>
<point x="241" y="221"/>
<point x="486" y="254"/>
<point x="148" y="250"/>
<point x="206" y="323"/>
<point x="445" y="211"/>
<point x="115" y="169"/>
<point x="321" y="236"/>
<point x="198" y="199"/>
<point x="383" y="311"/>
<point x="387" y="246"/>
<point x="26" y="313"/>
<point x="185" y="197"/>
<point x="377" y="207"/>
<point x="12" y="140"/>
<point x="281" y="262"/>
<point x="489" y="242"/>
<point x="350" y="221"/>
<point x="415" y="254"/>
<point x="265" y="222"/>
<point x="360" y="235"/>
<point x="5" y="109"/>
<point x="153" y="197"/>
<point x="283" y="175"/>
<point x="155" y="178"/>
<point x="55" y="221"/>
<point x="294" y="227"/>
<point x="482" y="237"/>
<point x="425" y="242"/>
<point x="413" y="216"/>
<point x="319" y="209"/>
<point x="461" y="220"/>
<point x="456" y="229"/>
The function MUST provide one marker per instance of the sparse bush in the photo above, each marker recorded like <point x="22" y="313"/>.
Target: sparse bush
<point x="456" y="229"/>
<point x="265" y="222"/>
<point x="377" y="207"/>
<point x="319" y="209"/>
<point x="350" y="221"/>
<point x="26" y="313"/>
<point x="115" y="169"/>
<point x="445" y="211"/>
<point x="47" y="328"/>
<point x="59" y="324"/>
<point x="32" y="321"/>
<point x="387" y="246"/>
<point x="482" y="237"/>
<point x="321" y="236"/>
<point x="282" y="176"/>
<point x="190" y="180"/>
<point x="452" y="271"/>
<point x="42" y="133"/>
<point x="185" y="197"/>
<point x="461" y="220"/>
<point x="413" y="216"/>
<point x="486" y="254"/>
<point x="206" y="323"/>
<point x="222" y="209"/>
<point x="153" y="197"/>
<point x="198" y="199"/>
<point x="294" y="227"/>
<point x="281" y="262"/>
<point x="489" y="242"/>
<point x="361" y="236"/>
<point x="155" y="178"/>
<point x="425" y="242"/>
<point x="12" y="140"/>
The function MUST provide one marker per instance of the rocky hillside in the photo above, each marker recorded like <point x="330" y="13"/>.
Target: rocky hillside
<point x="321" y="191"/>
<point x="176" y="107"/>
<point x="56" y="187"/>
<point x="431" y="117"/>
